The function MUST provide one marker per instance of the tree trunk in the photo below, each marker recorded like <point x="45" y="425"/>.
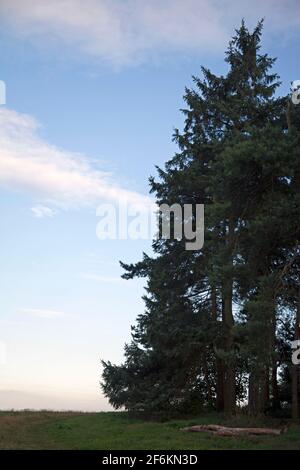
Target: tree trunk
<point x="208" y="383"/>
<point x="295" y="372"/>
<point x="231" y="432"/>
<point x="220" y="384"/>
<point x="219" y="364"/>
<point x="275" y="390"/>
<point x="253" y="395"/>
<point x="259" y="391"/>
<point x="229" y="372"/>
<point x="274" y="382"/>
<point x="264" y="397"/>
<point x="228" y="322"/>
<point x="295" y="392"/>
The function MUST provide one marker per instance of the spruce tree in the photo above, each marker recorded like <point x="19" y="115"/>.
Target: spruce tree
<point x="208" y="336"/>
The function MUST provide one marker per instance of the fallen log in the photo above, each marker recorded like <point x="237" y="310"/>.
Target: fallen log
<point x="231" y="432"/>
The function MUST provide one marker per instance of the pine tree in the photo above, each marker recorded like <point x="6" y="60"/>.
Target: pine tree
<point x="191" y="347"/>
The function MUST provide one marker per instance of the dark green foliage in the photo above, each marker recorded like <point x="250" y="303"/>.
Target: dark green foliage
<point x="212" y="334"/>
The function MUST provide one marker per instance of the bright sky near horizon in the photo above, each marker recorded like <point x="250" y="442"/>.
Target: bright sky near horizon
<point x="94" y="90"/>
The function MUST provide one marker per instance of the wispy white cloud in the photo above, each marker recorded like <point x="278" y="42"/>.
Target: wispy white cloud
<point x="118" y="31"/>
<point x="41" y="313"/>
<point x="57" y="178"/>
<point x="40" y="211"/>
<point x="129" y="31"/>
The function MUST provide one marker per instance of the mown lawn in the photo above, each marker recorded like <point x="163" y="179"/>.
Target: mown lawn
<point x="112" y="431"/>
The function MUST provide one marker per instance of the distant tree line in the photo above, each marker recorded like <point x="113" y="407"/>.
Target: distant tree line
<point x="218" y="323"/>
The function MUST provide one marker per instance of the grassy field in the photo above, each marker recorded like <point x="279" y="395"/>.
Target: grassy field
<point x="60" y="430"/>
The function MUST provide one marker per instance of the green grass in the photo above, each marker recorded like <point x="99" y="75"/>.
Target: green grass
<point x="112" y="431"/>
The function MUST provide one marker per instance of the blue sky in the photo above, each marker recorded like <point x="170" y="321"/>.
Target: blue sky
<point x="93" y="95"/>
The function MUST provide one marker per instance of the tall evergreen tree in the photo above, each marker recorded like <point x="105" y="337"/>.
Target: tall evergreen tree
<point x="209" y="332"/>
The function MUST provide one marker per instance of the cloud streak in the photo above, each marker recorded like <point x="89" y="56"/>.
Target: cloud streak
<point x="41" y="211"/>
<point x="56" y="177"/>
<point x="124" y="32"/>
